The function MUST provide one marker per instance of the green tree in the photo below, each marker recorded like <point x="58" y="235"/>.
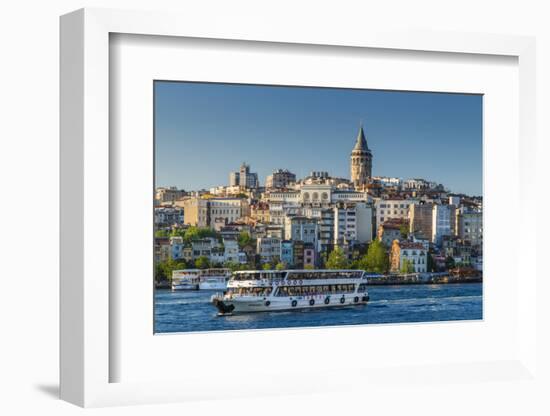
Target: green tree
<point x="280" y="266"/>
<point x="309" y="267"/>
<point x="404" y="229"/>
<point x="407" y="266"/>
<point x="161" y="233"/>
<point x="449" y="262"/>
<point x="231" y="265"/>
<point x="196" y="233"/>
<point x="430" y="263"/>
<point x="202" y="262"/>
<point x="337" y="259"/>
<point x="244" y="239"/>
<point x="266" y="266"/>
<point x="376" y="260"/>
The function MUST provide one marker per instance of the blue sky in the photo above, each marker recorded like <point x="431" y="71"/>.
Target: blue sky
<point x="203" y="131"/>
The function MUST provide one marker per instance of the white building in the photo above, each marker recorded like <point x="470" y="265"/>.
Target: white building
<point x="269" y="249"/>
<point x="469" y="226"/>
<point x="392" y="208"/>
<point x="442" y="219"/>
<point x="413" y="253"/>
<point x="387" y="181"/>
<point x="231" y="249"/>
<point x="352" y="223"/>
<point x="223" y="211"/>
<point x="299" y="228"/>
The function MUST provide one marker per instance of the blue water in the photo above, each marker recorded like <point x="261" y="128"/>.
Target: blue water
<point x="186" y="311"/>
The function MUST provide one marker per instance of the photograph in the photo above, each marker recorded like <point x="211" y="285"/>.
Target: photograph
<point x="299" y="207"/>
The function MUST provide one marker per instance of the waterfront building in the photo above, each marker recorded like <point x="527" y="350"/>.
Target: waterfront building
<point x="275" y="231"/>
<point x="176" y="247"/>
<point x="309" y="255"/>
<point x="361" y="161"/>
<point x="203" y="247"/>
<point x="352" y="223"/>
<point x="217" y="255"/>
<point x="469" y="227"/>
<point x="443" y="217"/>
<point x="269" y="249"/>
<point x="387" y="209"/>
<point x="280" y="179"/>
<point x="316" y="194"/>
<point x="259" y="212"/>
<point x="168" y="195"/>
<point x="414" y="254"/>
<point x="388" y="232"/>
<point x="298" y="253"/>
<point x="223" y="211"/>
<point x="243" y="178"/>
<point x="168" y="216"/>
<point x="187" y="252"/>
<point x="214" y="212"/>
<point x="196" y="212"/>
<point x="420" y="219"/>
<point x="162" y="249"/>
<point x="287" y="255"/>
<point x="458" y="249"/>
<point x="301" y="228"/>
<point x="231" y="249"/>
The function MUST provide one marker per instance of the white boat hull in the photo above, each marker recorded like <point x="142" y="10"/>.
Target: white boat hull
<point x="213" y="285"/>
<point x="185" y="286"/>
<point x="247" y="304"/>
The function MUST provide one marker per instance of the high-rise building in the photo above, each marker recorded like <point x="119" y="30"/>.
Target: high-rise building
<point x="361" y="161"/>
<point x="420" y="220"/>
<point x="443" y="222"/>
<point x="243" y="178"/>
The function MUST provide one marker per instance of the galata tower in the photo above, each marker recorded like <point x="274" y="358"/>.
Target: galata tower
<point x="361" y="161"/>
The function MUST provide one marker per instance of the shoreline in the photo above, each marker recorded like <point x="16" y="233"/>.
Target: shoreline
<point x="384" y="282"/>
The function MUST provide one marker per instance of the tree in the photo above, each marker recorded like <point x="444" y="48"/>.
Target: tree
<point x="450" y="262"/>
<point x="266" y="266"/>
<point x="161" y="233"/>
<point x="196" y="233"/>
<point x="202" y="262"/>
<point x="404" y="229"/>
<point x="231" y="265"/>
<point x="407" y="266"/>
<point x="244" y="239"/>
<point x="337" y="259"/>
<point x="309" y="267"/>
<point x="280" y="266"/>
<point x="376" y="259"/>
<point x="164" y="269"/>
<point x="430" y="263"/>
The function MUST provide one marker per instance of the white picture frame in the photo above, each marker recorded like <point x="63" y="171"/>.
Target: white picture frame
<point x="87" y="305"/>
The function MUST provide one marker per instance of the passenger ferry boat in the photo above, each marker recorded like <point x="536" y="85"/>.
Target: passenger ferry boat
<point x="187" y="279"/>
<point x="282" y="290"/>
<point x="195" y="279"/>
<point x="214" y="279"/>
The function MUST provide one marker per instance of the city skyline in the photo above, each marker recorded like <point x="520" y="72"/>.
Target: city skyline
<point x="204" y="131"/>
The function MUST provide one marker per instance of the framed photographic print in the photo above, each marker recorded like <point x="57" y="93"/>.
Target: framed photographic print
<point x="234" y="247"/>
<point x="317" y="211"/>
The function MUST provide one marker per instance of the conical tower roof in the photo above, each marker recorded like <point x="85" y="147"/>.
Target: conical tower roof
<point x="361" y="142"/>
